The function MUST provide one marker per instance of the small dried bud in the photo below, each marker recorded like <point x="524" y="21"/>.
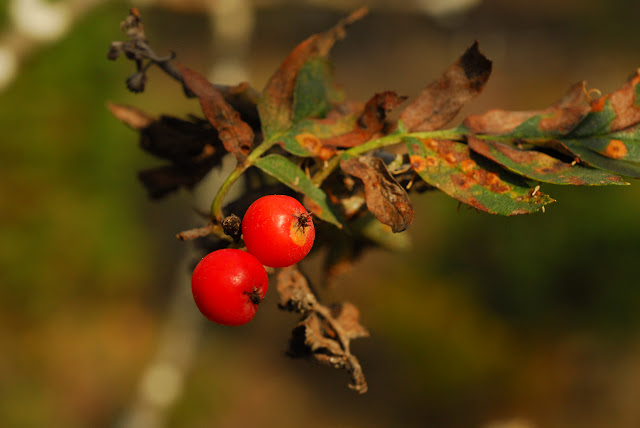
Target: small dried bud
<point x="136" y="82"/>
<point x="114" y="51"/>
<point x="231" y="226"/>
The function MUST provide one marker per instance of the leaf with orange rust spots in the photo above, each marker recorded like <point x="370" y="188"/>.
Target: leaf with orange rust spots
<point x="604" y="134"/>
<point x="441" y="101"/>
<point x="305" y="138"/>
<point x="451" y="167"/>
<point x="609" y="135"/>
<point x="235" y="134"/>
<point x="342" y="128"/>
<point x="612" y="112"/>
<point x="540" y="166"/>
<point x="385" y="198"/>
<point x="282" y="101"/>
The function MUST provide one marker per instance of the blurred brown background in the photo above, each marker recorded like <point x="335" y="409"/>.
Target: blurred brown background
<point x="487" y="322"/>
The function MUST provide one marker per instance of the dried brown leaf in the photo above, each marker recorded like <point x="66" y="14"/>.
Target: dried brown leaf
<point x="295" y="294"/>
<point x="386" y="199"/>
<point x="439" y="103"/>
<point x="370" y="122"/>
<point x="131" y="116"/>
<point x="235" y="134"/>
<point x="324" y="334"/>
<point x="348" y="316"/>
<point x="317" y="337"/>
<point x="561" y="117"/>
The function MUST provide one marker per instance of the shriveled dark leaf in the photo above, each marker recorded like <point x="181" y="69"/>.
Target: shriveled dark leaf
<point x="168" y="137"/>
<point x="161" y="181"/>
<point x="276" y="104"/>
<point x="441" y="101"/>
<point x="292" y="176"/>
<point x="386" y="199"/>
<point x="235" y="134"/>
<point x="540" y="166"/>
<point x="179" y="140"/>
<point x="449" y="166"/>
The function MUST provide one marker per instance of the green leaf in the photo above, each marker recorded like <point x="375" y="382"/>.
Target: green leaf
<point x="623" y="145"/>
<point x="540" y="166"/>
<point x="597" y="122"/>
<point x="290" y="175"/>
<point x="448" y="165"/>
<point x="314" y="94"/>
<point x="629" y="169"/>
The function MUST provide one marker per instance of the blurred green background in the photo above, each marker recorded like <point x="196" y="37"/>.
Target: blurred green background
<point x="486" y="322"/>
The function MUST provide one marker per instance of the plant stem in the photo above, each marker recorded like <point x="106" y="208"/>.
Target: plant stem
<point x="216" y="205"/>
<point x="388" y="140"/>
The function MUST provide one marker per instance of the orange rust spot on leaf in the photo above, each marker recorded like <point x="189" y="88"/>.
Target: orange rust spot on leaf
<point x="418" y="163"/>
<point x="462" y="181"/>
<point x="491" y="181"/>
<point x="478" y="175"/>
<point x="616" y="149"/>
<point x="475" y="204"/>
<point x="467" y="165"/>
<point x="598" y="105"/>
<point x="431" y="161"/>
<point x="450" y="158"/>
<point x="431" y="143"/>
<point x="313" y="144"/>
<point x="308" y="141"/>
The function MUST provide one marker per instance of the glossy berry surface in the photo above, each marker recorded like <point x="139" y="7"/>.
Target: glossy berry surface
<point x="278" y="230"/>
<point x="228" y="286"/>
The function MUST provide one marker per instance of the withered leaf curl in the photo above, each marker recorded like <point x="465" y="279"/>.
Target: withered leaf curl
<point x="324" y="333"/>
<point x="387" y="200"/>
<point x="441" y="101"/>
<point x="236" y="135"/>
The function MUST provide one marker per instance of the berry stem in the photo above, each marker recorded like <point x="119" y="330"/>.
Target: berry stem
<point x="216" y="205"/>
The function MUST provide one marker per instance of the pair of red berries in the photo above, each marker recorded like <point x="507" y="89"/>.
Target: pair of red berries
<point x="228" y="285"/>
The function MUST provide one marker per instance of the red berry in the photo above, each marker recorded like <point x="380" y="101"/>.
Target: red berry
<point x="228" y="285"/>
<point x="278" y="230"/>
